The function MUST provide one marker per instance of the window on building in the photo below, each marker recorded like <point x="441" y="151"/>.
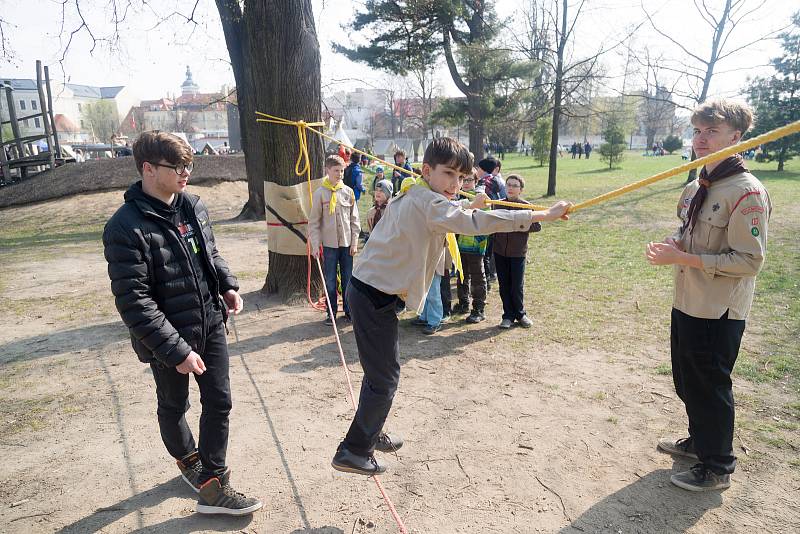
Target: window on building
<point x="27" y="124"/>
<point x="22" y="105"/>
<point x="82" y="126"/>
<point x="36" y="122"/>
<point x="34" y="105"/>
<point x="79" y="107"/>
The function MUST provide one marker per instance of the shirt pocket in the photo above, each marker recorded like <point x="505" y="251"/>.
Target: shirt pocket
<point x="713" y="226"/>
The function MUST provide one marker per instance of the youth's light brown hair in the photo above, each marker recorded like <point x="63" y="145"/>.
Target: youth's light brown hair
<point x="447" y="151"/>
<point x="333" y="160"/>
<point x="154" y="146"/>
<point x="735" y="114"/>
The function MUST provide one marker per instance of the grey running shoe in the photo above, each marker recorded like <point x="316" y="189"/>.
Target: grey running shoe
<point x="701" y="478"/>
<point x="475" y="317"/>
<point x="218" y="497"/>
<point x="505" y="324"/>
<point x="524" y="322"/>
<point x="347" y="462"/>
<point x="191" y="467"/>
<point x="388" y="442"/>
<point x="680" y="447"/>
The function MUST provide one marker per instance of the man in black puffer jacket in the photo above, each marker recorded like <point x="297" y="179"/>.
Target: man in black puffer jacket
<point x="167" y="278"/>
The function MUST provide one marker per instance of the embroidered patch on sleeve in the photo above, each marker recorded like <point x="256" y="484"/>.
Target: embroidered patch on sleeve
<point x="754" y="231"/>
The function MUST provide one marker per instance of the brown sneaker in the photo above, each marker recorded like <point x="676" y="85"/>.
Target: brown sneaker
<point x="218" y="497"/>
<point x="191" y="467"/>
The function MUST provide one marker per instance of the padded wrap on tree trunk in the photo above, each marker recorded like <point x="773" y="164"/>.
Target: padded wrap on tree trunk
<point x="292" y="204"/>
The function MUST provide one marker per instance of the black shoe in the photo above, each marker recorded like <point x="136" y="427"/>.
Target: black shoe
<point x="328" y="320"/>
<point x="191" y="467"/>
<point x="218" y="497"/>
<point x="475" y="317"/>
<point x="418" y="322"/>
<point x="701" y="478"/>
<point x="388" y="442"/>
<point x="430" y="330"/>
<point x="679" y="447"/>
<point x="461" y="308"/>
<point x="348" y="318"/>
<point x="347" y="462"/>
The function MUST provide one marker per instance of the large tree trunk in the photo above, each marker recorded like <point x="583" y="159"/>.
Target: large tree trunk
<point x="234" y="29"/>
<point x="279" y="74"/>
<point x="476" y="128"/>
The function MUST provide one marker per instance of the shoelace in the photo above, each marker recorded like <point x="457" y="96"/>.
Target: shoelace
<point x="230" y="492"/>
<point x="683" y="444"/>
<point x="701" y="472"/>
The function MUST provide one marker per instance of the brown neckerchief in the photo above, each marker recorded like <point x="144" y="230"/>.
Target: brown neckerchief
<point x="728" y="167"/>
<point x="378" y="213"/>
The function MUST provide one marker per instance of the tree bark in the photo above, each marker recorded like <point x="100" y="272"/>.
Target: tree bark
<point x="276" y="63"/>
<point x="234" y="29"/>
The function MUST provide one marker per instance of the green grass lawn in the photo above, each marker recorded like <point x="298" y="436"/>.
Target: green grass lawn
<point x="588" y="282"/>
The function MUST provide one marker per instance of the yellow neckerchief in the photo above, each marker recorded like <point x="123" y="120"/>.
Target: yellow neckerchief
<point x="452" y="244"/>
<point x="326" y="183"/>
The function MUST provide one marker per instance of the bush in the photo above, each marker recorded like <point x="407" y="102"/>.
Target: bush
<point x="671" y="143"/>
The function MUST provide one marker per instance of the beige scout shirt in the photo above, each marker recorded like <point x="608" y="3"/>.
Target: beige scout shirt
<point x="337" y="229"/>
<point x="402" y="253"/>
<point x="731" y="238"/>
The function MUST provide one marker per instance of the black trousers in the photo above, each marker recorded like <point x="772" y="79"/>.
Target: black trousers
<point x="172" y="391"/>
<point x="488" y="259"/>
<point x="511" y="281"/>
<point x="375" y="329"/>
<point x="447" y="294"/>
<point x="704" y="352"/>
<point x="474" y="281"/>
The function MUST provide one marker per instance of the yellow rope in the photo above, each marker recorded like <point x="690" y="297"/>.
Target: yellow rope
<point x="303" y="164"/>
<point x="770" y="136"/>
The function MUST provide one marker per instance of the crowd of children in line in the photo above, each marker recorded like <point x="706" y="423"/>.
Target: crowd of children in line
<point x="335" y="225"/>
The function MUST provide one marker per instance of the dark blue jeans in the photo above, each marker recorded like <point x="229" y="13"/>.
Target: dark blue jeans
<point x="511" y="279"/>
<point x="337" y="257"/>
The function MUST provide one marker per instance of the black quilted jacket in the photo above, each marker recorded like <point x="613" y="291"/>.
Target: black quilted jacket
<point x="153" y="278"/>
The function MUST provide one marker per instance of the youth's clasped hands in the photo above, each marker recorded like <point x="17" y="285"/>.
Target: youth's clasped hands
<point x="667" y="252"/>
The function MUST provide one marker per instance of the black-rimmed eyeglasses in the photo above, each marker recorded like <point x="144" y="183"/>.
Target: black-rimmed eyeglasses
<point x="179" y="168"/>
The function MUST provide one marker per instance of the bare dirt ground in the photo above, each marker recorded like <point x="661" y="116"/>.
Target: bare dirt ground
<point x="505" y="432"/>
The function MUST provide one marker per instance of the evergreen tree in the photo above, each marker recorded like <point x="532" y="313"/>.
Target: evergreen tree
<point x="613" y="149"/>
<point x="671" y="143"/>
<point x="776" y="99"/>
<point x="406" y="33"/>
<point x="541" y="140"/>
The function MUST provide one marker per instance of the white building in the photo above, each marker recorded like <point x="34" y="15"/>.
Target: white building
<point x="358" y="109"/>
<point x="69" y="103"/>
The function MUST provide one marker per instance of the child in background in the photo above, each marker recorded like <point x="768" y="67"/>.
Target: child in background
<point x="334" y="225"/>
<point x="399" y="176"/>
<point x="510" y="249"/>
<point x="472" y="249"/>
<point x="378" y="177"/>
<point x="383" y="192"/>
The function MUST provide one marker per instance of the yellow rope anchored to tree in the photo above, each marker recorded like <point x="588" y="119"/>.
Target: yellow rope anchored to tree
<point x="777" y="133"/>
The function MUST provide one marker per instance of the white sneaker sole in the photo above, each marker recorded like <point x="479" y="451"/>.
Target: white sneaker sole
<point x="196" y="490"/>
<point x="206" y="509"/>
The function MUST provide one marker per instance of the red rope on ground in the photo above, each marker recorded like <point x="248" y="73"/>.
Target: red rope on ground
<point x="385" y="495"/>
<point x="319" y="305"/>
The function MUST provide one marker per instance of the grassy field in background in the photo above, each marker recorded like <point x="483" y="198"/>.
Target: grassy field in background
<point x="588" y="283"/>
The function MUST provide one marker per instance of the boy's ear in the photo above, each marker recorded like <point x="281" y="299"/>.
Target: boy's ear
<point x="426" y="170"/>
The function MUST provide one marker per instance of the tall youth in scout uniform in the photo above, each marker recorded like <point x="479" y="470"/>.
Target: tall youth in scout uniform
<point x="334" y="225"/>
<point x="400" y="259"/>
<point x="717" y="253"/>
<point x="167" y="278"/>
